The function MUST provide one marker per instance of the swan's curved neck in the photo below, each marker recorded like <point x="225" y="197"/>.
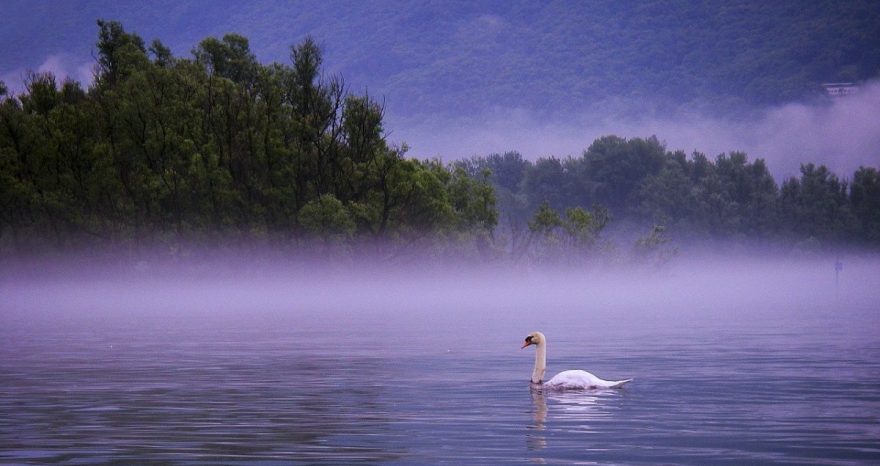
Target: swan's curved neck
<point x="540" y="362"/>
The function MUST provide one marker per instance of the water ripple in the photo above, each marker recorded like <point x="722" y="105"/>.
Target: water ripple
<point x="200" y="393"/>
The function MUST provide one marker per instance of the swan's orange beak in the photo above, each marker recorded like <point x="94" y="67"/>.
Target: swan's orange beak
<point x="527" y="343"/>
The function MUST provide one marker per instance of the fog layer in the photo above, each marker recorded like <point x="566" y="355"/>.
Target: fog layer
<point x="721" y="287"/>
<point x="841" y="133"/>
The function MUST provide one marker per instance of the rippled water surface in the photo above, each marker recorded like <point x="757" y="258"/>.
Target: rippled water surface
<point x="310" y="384"/>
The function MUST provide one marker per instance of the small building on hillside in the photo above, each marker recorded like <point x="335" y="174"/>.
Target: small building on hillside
<point x="840" y="89"/>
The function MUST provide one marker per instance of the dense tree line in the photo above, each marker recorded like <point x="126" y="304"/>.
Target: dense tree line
<point x="166" y="150"/>
<point x="663" y="194"/>
<point x="219" y="148"/>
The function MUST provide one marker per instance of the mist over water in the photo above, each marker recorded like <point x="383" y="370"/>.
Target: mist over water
<point x="230" y="284"/>
<point x="736" y="360"/>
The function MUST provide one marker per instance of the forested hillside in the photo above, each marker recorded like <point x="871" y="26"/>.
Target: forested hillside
<point x="456" y="57"/>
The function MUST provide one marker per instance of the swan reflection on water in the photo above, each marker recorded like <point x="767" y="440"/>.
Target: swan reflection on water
<point x="570" y="411"/>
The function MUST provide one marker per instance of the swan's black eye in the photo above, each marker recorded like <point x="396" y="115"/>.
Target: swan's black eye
<point x="529" y="339"/>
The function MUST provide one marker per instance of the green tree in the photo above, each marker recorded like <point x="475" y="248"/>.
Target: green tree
<point x="816" y="205"/>
<point x="326" y="216"/>
<point x="230" y="58"/>
<point x="749" y="193"/>
<point x="569" y="239"/>
<point x="613" y="167"/>
<point x="545" y="182"/>
<point x="666" y="197"/>
<point x="119" y="52"/>
<point x="864" y="197"/>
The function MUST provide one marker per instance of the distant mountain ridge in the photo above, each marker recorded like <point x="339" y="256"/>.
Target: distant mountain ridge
<point x="454" y="57"/>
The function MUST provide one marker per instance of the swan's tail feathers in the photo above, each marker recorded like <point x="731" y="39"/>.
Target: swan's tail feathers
<point x="620" y="383"/>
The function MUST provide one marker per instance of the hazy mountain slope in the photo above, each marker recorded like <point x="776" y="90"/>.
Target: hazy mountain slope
<point x="459" y="56"/>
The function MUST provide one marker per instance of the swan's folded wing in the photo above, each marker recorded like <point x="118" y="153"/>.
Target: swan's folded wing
<point x="577" y="379"/>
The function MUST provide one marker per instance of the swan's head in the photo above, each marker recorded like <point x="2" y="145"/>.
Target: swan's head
<point x="534" y="338"/>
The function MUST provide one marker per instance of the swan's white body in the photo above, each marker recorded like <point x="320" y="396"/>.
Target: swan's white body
<point x="578" y="379"/>
<point x="566" y="380"/>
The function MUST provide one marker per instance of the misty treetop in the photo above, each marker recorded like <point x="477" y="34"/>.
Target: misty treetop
<point x="640" y="184"/>
<point x="163" y="148"/>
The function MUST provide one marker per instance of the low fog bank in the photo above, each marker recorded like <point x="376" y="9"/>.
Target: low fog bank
<point x="841" y="133"/>
<point x="245" y="286"/>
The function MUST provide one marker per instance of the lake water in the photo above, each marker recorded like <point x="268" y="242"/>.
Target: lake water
<point x="298" y="382"/>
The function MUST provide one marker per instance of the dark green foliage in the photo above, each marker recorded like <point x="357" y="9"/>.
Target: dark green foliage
<point x="506" y="170"/>
<point x="220" y="147"/>
<point x="678" y="197"/>
<point x="815" y="205"/>
<point x="570" y="239"/>
<point x="865" y="203"/>
<point x="612" y="168"/>
<point x="119" y="52"/>
<point x="728" y="197"/>
<point x="546" y="181"/>
<point x="230" y="58"/>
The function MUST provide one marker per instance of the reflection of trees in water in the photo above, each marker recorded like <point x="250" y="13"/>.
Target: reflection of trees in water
<point x="340" y="411"/>
<point x="571" y="410"/>
<point x="175" y="405"/>
<point x="319" y="408"/>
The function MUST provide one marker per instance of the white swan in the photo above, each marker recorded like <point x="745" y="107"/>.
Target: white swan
<point x="566" y="379"/>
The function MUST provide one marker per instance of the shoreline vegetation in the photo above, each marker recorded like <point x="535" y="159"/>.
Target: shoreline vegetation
<point x="172" y="155"/>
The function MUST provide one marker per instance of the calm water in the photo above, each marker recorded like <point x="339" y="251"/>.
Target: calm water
<point x="418" y="385"/>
